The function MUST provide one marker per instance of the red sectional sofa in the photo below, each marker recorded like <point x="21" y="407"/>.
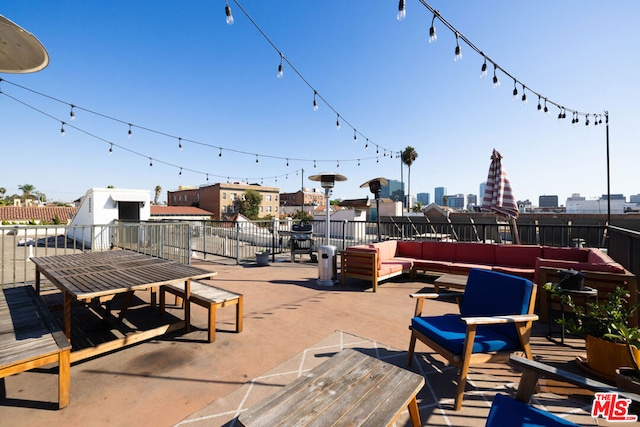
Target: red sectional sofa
<point x="379" y="261"/>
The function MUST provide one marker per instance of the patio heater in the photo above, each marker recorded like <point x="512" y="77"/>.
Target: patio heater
<point x="375" y="185"/>
<point x="327" y="253"/>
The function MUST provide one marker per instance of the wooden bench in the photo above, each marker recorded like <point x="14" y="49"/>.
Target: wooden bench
<point x="30" y="337"/>
<point x="208" y="297"/>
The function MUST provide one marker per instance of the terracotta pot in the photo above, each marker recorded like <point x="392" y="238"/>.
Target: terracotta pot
<point x="606" y="356"/>
<point x="628" y="380"/>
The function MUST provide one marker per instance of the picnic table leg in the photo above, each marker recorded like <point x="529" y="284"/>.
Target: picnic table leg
<point x="66" y="315"/>
<point x="64" y="378"/>
<point x="37" y="281"/>
<point x="187" y="305"/>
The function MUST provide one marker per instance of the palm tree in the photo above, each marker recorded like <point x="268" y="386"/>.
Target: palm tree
<point x="2" y="191"/>
<point x="158" y="190"/>
<point x="26" y="189"/>
<point x="409" y="155"/>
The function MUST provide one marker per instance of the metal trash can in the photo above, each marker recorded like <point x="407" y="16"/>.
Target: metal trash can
<point x="327" y="267"/>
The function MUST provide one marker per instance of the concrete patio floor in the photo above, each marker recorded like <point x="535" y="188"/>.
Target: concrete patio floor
<point x="163" y="381"/>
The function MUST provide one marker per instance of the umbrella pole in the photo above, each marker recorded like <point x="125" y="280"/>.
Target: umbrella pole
<point x="514" y="230"/>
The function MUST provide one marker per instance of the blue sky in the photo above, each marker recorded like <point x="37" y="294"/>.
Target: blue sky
<point x="176" y="68"/>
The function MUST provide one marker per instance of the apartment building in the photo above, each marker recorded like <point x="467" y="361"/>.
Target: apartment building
<point x="219" y="198"/>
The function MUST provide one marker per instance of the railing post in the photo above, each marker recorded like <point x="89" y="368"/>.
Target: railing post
<point x="237" y="243"/>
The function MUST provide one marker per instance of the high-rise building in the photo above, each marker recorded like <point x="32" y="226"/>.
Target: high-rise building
<point x="424" y="198"/>
<point x="472" y="200"/>
<point x="548" y="201"/>
<point x="634" y="198"/>
<point x="457" y="201"/>
<point x="483" y="186"/>
<point x="438" y="195"/>
<point x="394" y="190"/>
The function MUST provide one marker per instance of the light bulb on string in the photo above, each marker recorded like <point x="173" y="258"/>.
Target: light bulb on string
<point x="483" y="69"/>
<point x="586" y="123"/>
<point x="366" y="145"/>
<point x="71" y="113"/>
<point x="150" y="162"/>
<point x="315" y="102"/>
<point x="496" y="82"/>
<point x="257" y="159"/>
<point x="458" y="51"/>
<point x="355" y="135"/>
<point x="220" y="153"/>
<point x="338" y="163"/>
<point x="227" y="11"/>
<point x="515" y="90"/>
<point x="111" y="149"/>
<point x="433" y="36"/>
<point x="577" y="118"/>
<point x="280" y="68"/>
<point x="560" y="114"/>
<point x="207" y="177"/>
<point x="287" y="162"/>
<point x="180" y="173"/>
<point x="539" y="104"/>
<point x="338" y="122"/>
<point x="402" y="13"/>
<point x="564" y="113"/>
<point x="358" y="162"/>
<point x="180" y="144"/>
<point x="62" y="131"/>
<point x="524" y="95"/>
<point x="130" y="132"/>
<point x="545" y="109"/>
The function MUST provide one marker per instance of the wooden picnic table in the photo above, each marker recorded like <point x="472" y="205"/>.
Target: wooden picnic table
<point x="91" y="275"/>
<point x="350" y="388"/>
<point x="454" y="281"/>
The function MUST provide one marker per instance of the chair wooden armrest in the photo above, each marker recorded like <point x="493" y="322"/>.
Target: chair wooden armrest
<point x="420" y="297"/>
<point x="495" y="320"/>
<point x="532" y="370"/>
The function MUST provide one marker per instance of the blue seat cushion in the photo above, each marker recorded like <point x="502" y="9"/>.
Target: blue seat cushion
<point x="449" y="332"/>
<point x="506" y="411"/>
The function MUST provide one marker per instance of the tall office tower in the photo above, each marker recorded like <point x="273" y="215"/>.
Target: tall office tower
<point x="548" y="201"/>
<point x="438" y="195"/>
<point x="483" y="186"/>
<point x="394" y="190"/>
<point x="424" y="198"/>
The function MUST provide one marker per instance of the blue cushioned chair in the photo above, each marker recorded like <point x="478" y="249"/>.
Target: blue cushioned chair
<point x="506" y="411"/>
<point x="496" y="315"/>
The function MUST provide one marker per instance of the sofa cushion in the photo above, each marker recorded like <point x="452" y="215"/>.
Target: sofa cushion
<point x="439" y="251"/>
<point x="463" y="268"/>
<point x="449" y="332"/>
<point x="517" y="255"/>
<point x="569" y="254"/>
<point x="442" y="266"/>
<point x="393" y="266"/>
<point x="613" y="267"/>
<point x="366" y="248"/>
<point x="386" y="249"/>
<point x="526" y="272"/>
<point x="409" y="249"/>
<point x="476" y="253"/>
<point x="596" y="256"/>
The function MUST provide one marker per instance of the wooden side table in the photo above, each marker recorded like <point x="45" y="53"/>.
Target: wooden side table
<point x="580" y="297"/>
<point x="350" y="388"/>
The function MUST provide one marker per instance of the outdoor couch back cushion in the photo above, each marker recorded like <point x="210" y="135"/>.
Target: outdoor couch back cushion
<point x="489" y="293"/>
<point x="518" y="255"/>
<point x="569" y="254"/>
<point x="476" y="253"/>
<point x="409" y="249"/>
<point x="439" y="251"/>
<point x="387" y="249"/>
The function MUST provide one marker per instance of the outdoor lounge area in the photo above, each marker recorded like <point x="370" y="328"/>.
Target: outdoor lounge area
<point x="291" y="325"/>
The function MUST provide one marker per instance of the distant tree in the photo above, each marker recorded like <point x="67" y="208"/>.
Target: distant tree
<point x="158" y="190"/>
<point x="302" y="216"/>
<point x="249" y="205"/>
<point x="445" y="200"/>
<point x="26" y="189"/>
<point x="2" y="191"/>
<point x="417" y="207"/>
<point x="409" y="155"/>
<point x="110" y="186"/>
<point x="40" y="196"/>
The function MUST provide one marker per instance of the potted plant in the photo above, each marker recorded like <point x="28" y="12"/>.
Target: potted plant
<point x="610" y="341"/>
<point x="628" y="377"/>
<point x="262" y="257"/>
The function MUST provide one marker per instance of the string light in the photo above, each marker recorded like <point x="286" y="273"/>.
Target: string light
<point x="207" y="177"/>
<point x="524" y="95"/>
<point x="539" y="104"/>
<point x="287" y="162"/>
<point x="62" y="128"/>
<point x="402" y="13"/>
<point x="496" y="82"/>
<point x="180" y="144"/>
<point x="129" y="133"/>
<point x="257" y="159"/>
<point x="546" y="109"/>
<point x="150" y="162"/>
<point x="180" y="173"/>
<point x="355" y="135"/>
<point x="458" y="51"/>
<point x="315" y="103"/>
<point x="227" y="11"/>
<point x="220" y="153"/>
<point x="483" y="69"/>
<point x="280" y="68"/>
<point x="338" y="163"/>
<point x="366" y="145"/>
<point x="111" y="149"/>
<point x="515" y="90"/>
<point x="338" y="122"/>
<point x="586" y="123"/>
<point x="71" y="113"/>
<point x="358" y="162"/>
<point x="314" y="164"/>
<point x="432" y="30"/>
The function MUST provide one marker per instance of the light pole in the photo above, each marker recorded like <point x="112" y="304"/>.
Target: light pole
<point x="375" y="185"/>
<point x="606" y="121"/>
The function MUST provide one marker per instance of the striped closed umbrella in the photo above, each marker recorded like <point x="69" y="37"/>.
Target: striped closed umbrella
<point x="498" y="196"/>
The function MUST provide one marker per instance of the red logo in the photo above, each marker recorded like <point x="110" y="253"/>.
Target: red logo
<point x="611" y="408"/>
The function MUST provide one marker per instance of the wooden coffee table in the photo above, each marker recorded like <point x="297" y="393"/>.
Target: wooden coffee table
<point x="452" y="281"/>
<point x="350" y="388"/>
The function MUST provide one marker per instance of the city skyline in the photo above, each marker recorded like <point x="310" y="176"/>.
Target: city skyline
<point x="185" y="79"/>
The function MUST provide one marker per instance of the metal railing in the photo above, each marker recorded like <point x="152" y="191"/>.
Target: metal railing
<point x="240" y="241"/>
